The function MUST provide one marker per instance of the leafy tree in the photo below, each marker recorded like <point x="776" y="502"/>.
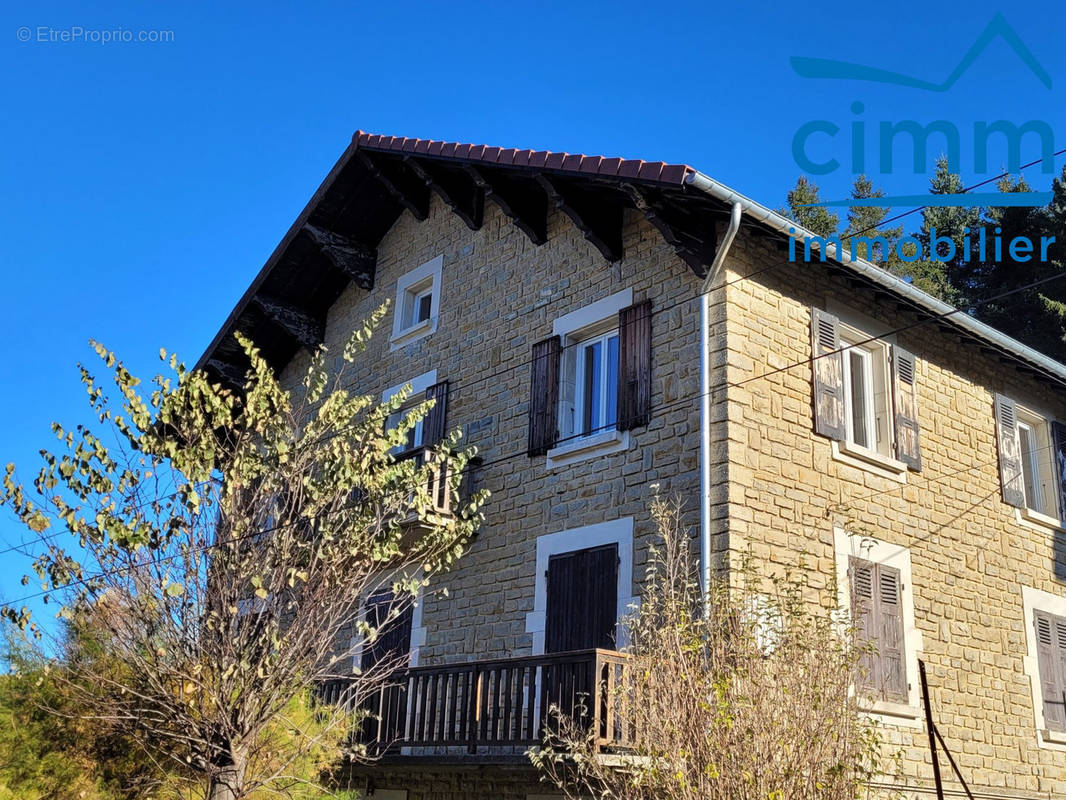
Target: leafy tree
<point x="756" y="701"/>
<point x="223" y="548"/>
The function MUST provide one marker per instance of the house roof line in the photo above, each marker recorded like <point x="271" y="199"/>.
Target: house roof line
<point x="675" y="177"/>
<point x="882" y="277"/>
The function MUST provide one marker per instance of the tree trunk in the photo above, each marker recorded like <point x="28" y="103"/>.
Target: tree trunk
<point x="227" y="780"/>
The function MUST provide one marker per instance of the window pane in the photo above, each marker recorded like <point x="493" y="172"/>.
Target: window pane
<point x="425" y="303"/>
<point x="1030" y="468"/>
<point x="593" y="387"/>
<point x="859" y="395"/>
<point x="611" y="384"/>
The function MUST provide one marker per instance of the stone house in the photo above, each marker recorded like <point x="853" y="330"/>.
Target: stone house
<point x="552" y="304"/>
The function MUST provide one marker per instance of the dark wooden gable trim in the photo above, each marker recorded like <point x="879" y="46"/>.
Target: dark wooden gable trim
<point x="400" y="181"/>
<point x="355" y="259"/>
<point x="455" y="187"/>
<point x="599" y="218"/>
<point x="525" y="203"/>
<point x="694" y="240"/>
<point x="309" y="330"/>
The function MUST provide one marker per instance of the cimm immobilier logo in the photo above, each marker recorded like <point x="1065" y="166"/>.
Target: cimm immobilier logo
<point x="948" y="132"/>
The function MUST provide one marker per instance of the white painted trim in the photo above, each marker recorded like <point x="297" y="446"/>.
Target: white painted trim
<point x="592" y="314"/>
<point x="847" y="545"/>
<point x="869" y="460"/>
<point x="430" y="273"/>
<point x="586" y="447"/>
<point x="616" y="531"/>
<point x="418" y="386"/>
<point x="1037" y="600"/>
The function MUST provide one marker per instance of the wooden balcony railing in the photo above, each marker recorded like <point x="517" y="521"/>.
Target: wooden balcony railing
<point x="486" y="705"/>
<point x="437" y="482"/>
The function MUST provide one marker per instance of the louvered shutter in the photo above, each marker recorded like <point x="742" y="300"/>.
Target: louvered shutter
<point x="1010" y="452"/>
<point x="863" y="614"/>
<point x="1051" y="661"/>
<point x="828" y="371"/>
<point x="905" y="400"/>
<point x="1058" y="444"/>
<point x="433" y="426"/>
<point x="634" y="366"/>
<point x="877" y="611"/>
<point x="393" y="636"/>
<point x="544" y="397"/>
<point x="890" y="634"/>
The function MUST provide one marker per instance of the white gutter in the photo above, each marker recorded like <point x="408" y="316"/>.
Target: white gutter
<point x="880" y="277"/>
<point x="705" y="404"/>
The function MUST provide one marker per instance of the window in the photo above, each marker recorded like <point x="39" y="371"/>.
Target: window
<point x="417" y="303"/>
<point x="865" y="393"/>
<point x="1031" y="447"/>
<point x="1037" y="464"/>
<point x="1045" y="663"/>
<point x="866" y="396"/>
<point x="873" y="578"/>
<point x="596" y="378"/>
<point x="591" y="380"/>
<point x="876" y="605"/>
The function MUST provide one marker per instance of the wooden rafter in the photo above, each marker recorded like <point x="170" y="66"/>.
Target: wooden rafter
<point x="599" y="219"/>
<point x="307" y="329"/>
<point x="456" y="188"/>
<point x="355" y="259"/>
<point x="694" y="241"/>
<point x="406" y="186"/>
<point x="230" y="374"/>
<point x="525" y="206"/>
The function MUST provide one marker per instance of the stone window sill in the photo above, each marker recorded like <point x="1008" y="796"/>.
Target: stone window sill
<point x="586" y="447"/>
<point x="869" y="460"/>
<point x="414" y="333"/>
<point x="1053" y="737"/>
<point x="1036" y="519"/>
<point x="893" y="713"/>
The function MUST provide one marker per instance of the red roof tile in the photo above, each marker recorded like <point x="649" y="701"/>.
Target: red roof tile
<point x="576" y="163"/>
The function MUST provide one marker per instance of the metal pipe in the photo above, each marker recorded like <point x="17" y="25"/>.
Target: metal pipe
<point x="880" y="277"/>
<point x="721" y="252"/>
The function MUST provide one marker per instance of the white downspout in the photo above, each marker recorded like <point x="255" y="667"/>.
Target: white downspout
<point x="706" y="568"/>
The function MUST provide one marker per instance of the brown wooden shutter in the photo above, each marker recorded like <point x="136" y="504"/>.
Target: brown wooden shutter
<point x="1058" y="445"/>
<point x="1010" y="452"/>
<point x="1051" y="661"/>
<point x="828" y="370"/>
<point x="433" y="426"/>
<point x="890" y="634"/>
<point x="634" y="366"/>
<point x="393" y="637"/>
<point x="544" y="397"/>
<point x="582" y="600"/>
<point x="877" y="611"/>
<point x="905" y="400"/>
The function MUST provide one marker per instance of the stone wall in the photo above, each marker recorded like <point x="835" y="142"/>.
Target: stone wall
<point x="970" y="553"/>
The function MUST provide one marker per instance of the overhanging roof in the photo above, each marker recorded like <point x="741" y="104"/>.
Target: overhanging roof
<point x="334" y="239"/>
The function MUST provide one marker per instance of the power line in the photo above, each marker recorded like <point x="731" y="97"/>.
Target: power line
<point x="667" y="406"/>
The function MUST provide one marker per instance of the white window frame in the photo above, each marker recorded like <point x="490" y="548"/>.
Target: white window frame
<point x="415" y="396"/>
<point x="1034" y="600"/>
<point x="1042" y="462"/>
<point x="410" y="288"/>
<point x="616" y="531"/>
<point x="857" y="327"/>
<point x="581" y="364"/>
<point x="597" y="319"/>
<point x="853" y="545"/>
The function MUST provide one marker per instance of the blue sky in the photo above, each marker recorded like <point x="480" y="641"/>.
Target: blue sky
<point x="144" y="184"/>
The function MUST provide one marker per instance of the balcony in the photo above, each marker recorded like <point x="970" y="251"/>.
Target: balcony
<point x="498" y="707"/>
